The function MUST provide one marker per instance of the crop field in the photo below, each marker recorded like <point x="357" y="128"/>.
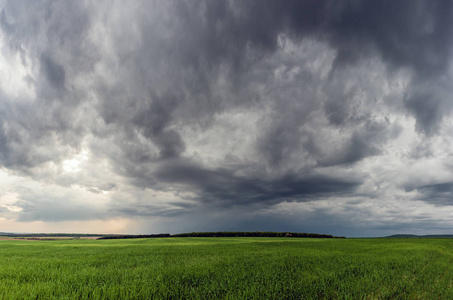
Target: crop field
<point x="227" y="268"/>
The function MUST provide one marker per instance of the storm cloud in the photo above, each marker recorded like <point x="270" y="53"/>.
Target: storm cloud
<point x="164" y="112"/>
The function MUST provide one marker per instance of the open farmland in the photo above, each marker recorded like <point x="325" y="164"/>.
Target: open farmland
<point x="213" y="268"/>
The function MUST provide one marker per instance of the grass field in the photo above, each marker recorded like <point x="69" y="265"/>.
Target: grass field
<point x="231" y="268"/>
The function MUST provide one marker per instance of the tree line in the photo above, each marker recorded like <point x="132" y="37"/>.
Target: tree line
<point x="190" y="234"/>
<point x="226" y="234"/>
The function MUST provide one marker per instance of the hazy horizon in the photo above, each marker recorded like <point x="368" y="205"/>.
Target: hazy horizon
<point x="331" y="117"/>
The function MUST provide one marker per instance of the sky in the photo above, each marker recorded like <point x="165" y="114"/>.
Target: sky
<point x="166" y="116"/>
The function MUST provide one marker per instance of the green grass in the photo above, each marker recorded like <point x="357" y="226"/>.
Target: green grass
<point x="227" y="268"/>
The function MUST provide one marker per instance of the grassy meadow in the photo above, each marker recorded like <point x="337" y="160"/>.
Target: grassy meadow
<point x="227" y="268"/>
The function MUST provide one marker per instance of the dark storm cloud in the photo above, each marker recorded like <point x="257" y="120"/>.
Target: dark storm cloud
<point x="228" y="189"/>
<point x="416" y="34"/>
<point x="406" y="33"/>
<point x="413" y="34"/>
<point x="50" y="40"/>
<point x="427" y="110"/>
<point x="152" y="122"/>
<point x="437" y="193"/>
<point x="53" y="72"/>
<point x="206" y="35"/>
<point x="367" y="139"/>
<point x="429" y="101"/>
<point x="145" y="85"/>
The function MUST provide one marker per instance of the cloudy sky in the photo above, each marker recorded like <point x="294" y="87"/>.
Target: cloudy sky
<point x="176" y="116"/>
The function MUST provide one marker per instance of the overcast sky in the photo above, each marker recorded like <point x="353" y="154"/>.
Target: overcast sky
<point x="176" y="116"/>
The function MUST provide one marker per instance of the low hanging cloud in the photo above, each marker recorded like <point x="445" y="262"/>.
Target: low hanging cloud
<point x="164" y="110"/>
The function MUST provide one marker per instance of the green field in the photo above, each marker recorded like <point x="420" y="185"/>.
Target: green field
<point x="231" y="268"/>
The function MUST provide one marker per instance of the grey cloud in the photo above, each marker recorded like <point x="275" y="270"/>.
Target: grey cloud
<point x="5" y="25"/>
<point x="33" y="135"/>
<point x="437" y="193"/>
<point x="222" y="40"/>
<point x="429" y="101"/>
<point x="227" y="32"/>
<point x="137" y="82"/>
<point x="356" y="148"/>
<point x="172" y="209"/>
<point x="337" y="109"/>
<point x="49" y="208"/>
<point x="366" y="140"/>
<point x="278" y="143"/>
<point x="413" y="34"/>
<point x="407" y="33"/>
<point x="224" y="187"/>
<point x="427" y="111"/>
<point x="51" y="41"/>
<point x="105" y="187"/>
<point x="153" y="122"/>
<point x="421" y="150"/>
<point x="53" y="71"/>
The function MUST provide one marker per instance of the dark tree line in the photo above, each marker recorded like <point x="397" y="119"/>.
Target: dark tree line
<point x="165" y="235"/>
<point x="130" y="236"/>
<point x="226" y="234"/>
<point x="253" y="234"/>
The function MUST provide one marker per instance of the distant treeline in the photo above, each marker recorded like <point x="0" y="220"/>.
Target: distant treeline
<point x="253" y="234"/>
<point x="225" y="234"/>
<point x="165" y="235"/>
<point x="130" y="236"/>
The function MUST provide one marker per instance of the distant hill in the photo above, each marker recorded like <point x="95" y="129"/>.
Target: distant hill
<point x="414" y="236"/>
